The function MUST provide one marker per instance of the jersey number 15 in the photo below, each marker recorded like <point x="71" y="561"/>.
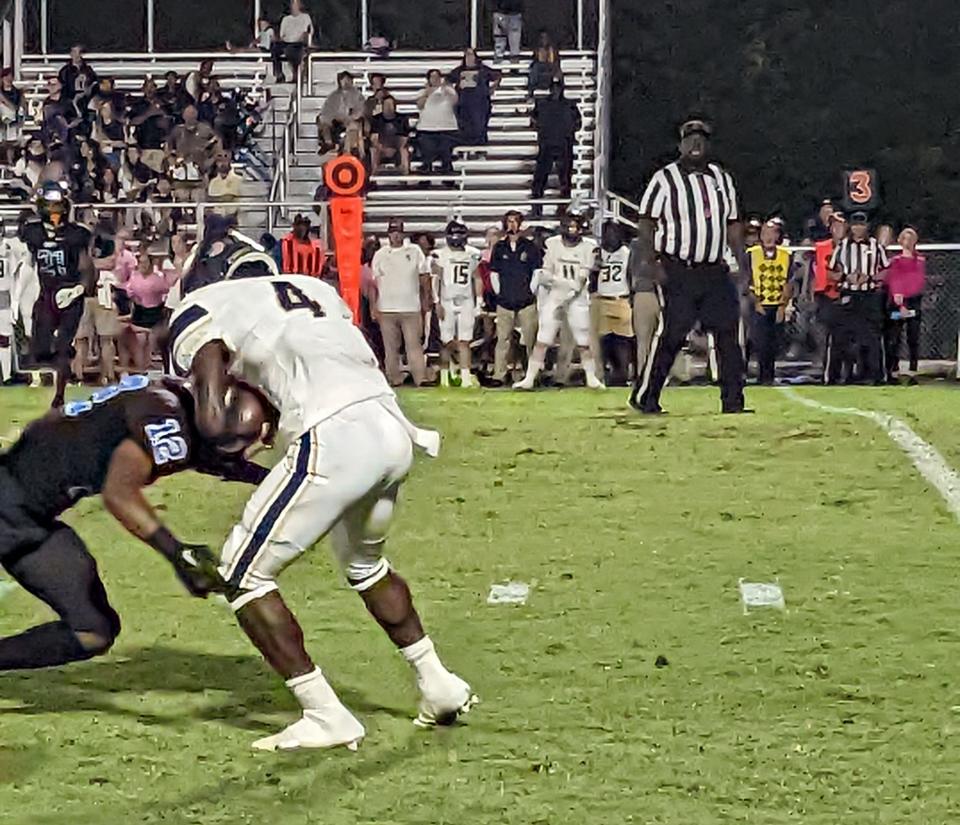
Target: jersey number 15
<point x="291" y="298"/>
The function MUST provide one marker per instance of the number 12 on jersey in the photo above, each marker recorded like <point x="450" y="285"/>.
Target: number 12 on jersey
<point x="291" y="298"/>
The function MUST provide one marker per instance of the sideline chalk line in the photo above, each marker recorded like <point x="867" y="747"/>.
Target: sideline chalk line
<point x="925" y="457"/>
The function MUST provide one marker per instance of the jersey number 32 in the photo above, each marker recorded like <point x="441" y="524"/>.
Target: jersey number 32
<point x="291" y="298"/>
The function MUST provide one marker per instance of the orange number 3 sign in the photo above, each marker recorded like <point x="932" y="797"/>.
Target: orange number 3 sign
<point x="861" y="186"/>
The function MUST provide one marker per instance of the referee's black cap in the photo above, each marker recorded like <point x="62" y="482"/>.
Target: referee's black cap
<point x="859" y="217"/>
<point x="695" y="126"/>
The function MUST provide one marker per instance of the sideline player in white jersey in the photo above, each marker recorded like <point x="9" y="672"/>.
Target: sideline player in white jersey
<point x="350" y="447"/>
<point x="456" y="285"/>
<point x="568" y="263"/>
<point x="611" y="313"/>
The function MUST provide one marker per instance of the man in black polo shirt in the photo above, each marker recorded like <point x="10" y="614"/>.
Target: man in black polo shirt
<point x="688" y="217"/>
<point x="512" y="264"/>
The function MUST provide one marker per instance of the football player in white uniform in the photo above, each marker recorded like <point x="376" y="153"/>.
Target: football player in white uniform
<point x="567" y="266"/>
<point x="610" y="309"/>
<point x="350" y="448"/>
<point x="456" y="285"/>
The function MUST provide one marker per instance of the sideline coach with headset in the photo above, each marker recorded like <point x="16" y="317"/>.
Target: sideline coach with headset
<point x="688" y="218"/>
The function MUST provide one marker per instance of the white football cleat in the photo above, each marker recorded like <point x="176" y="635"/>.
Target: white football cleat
<point x="441" y="705"/>
<point x="525" y="384"/>
<point x="466" y="380"/>
<point x="332" y="728"/>
<point x="594" y="383"/>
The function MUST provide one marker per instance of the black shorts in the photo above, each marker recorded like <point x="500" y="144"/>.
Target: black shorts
<point x="54" y="329"/>
<point x="49" y="560"/>
<point x="147" y="317"/>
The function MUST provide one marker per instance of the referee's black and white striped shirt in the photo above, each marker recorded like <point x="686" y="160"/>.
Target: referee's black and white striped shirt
<point x="851" y="258"/>
<point x="692" y="210"/>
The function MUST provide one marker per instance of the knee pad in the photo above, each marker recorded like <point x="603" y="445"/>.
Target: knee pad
<point x="362" y="575"/>
<point x="237" y="599"/>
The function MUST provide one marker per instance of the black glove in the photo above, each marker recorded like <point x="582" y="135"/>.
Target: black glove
<point x="196" y="567"/>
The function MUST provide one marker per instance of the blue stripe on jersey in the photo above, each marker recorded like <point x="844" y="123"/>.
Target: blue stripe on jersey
<point x="269" y="521"/>
<point x="179" y="325"/>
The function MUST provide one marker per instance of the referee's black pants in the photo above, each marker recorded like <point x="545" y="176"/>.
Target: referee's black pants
<point x="698" y="292"/>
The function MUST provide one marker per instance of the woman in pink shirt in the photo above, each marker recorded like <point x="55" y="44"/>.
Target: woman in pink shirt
<point x="147" y="286"/>
<point x="904" y="284"/>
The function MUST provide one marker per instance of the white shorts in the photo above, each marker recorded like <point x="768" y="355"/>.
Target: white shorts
<point x="458" y="320"/>
<point x="552" y="312"/>
<point x="340" y="477"/>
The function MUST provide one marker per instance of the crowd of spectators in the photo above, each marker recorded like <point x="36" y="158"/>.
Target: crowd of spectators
<point x="169" y="143"/>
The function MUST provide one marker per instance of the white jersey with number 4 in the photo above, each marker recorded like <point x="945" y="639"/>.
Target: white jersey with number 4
<point x="456" y="273"/>
<point x="567" y="268"/>
<point x="612" y="282"/>
<point x="290" y="336"/>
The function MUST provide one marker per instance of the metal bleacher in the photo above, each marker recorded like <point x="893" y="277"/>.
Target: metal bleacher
<point x="488" y="179"/>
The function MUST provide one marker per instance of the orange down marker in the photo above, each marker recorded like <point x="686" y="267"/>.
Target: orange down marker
<point x="345" y="177"/>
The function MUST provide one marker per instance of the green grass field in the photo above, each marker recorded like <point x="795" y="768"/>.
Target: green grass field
<point x="632" y="533"/>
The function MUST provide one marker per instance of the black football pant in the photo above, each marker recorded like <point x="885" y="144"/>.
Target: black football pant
<point x="62" y="573"/>
<point x="859" y="336"/>
<point x="705" y="293"/>
<point x="828" y="313"/>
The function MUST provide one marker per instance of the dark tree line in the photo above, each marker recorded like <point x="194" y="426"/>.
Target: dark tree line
<point x="796" y="90"/>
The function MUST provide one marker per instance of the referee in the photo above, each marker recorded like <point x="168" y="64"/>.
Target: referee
<point x="688" y="217"/>
<point x="858" y="263"/>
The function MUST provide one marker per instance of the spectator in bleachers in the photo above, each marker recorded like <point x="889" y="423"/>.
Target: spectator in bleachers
<point x="193" y="146"/>
<point x="343" y="108"/>
<point x="86" y="170"/>
<point x="401" y="274"/>
<point x="557" y="121"/>
<point x="173" y="97"/>
<point x="221" y="112"/>
<point x="31" y="164"/>
<point x="199" y="80"/>
<point x="76" y="75"/>
<point x="475" y="83"/>
<point x="437" y="126"/>
<point x="162" y="221"/>
<point x="59" y="114"/>
<point x="507" y="28"/>
<point x="151" y="125"/>
<point x="545" y="67"/>
<point x="263" y="39"/>
<point x="373" y="105"/>
<point x="300" y="253"/>
<point x="135" y="176"/>
<point x="106" y="92"/>
<point x="109" y="134"/>
<point x="389" y="135"/>
<point x="11" y="117"/>
<point x="108" y="186"/>
<point x="512" y="264"/>
<point x="296" y="36"/>
<point x="225" y="187"/>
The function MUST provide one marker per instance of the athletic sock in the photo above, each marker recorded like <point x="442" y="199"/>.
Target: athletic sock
<point x="533" y="369"/>
<point x="423" y="657"/>
<point x="313" y="691"/>
<point x="45" y="645"/>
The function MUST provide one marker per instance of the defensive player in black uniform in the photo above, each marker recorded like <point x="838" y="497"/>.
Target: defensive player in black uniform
<point x="61" y="251"/>
<point x="115" y="444"/>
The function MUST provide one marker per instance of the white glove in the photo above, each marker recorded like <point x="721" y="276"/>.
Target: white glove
<point x="66" y="296"/>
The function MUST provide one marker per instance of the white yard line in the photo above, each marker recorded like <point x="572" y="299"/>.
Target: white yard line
<point x="925" y="457"/>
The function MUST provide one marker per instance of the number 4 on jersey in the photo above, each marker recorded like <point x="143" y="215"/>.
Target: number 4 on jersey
<point x="291" y="297"/>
